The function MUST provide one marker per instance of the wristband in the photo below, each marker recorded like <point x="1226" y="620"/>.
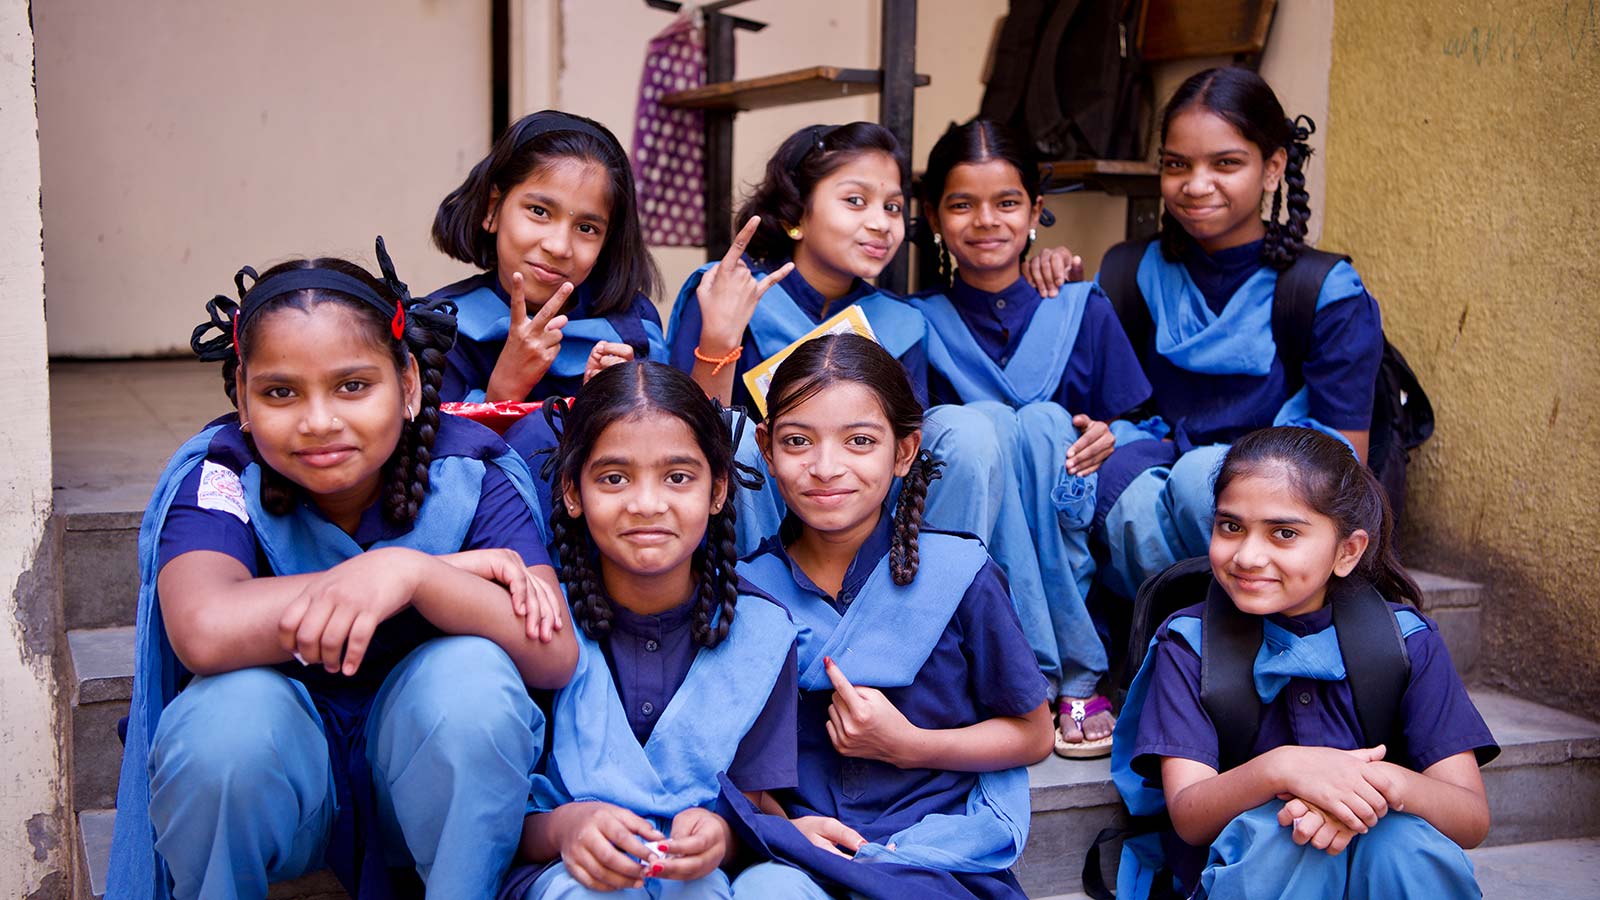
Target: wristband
<point x="718" y="362"/>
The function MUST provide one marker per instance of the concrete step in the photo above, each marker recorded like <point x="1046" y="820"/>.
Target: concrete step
<point x="100" y="582"/>
<point x="95" y="827"/>
<point x="102" y="664"/>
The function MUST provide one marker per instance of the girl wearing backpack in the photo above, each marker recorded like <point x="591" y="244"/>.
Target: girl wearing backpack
<point x="1302" y="537"/>
<point x="1053" y="371"/>
<point x="343" y="603"/>
<point x="1207" y="341"/>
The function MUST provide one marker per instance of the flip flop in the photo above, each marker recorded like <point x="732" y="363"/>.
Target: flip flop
<point x="1079" y="711"/>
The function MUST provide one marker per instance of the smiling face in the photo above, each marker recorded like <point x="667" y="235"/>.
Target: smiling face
<point x="1271" y="552"/>
<point x="646" y="493"/>
<point x="984" y="218"/>
<point x="551" y="227"/>
<point x="325" y="405"/>
<point x="853" y="224"/>
<point x="834" y="457"/>
<point x="1212" y="179"/>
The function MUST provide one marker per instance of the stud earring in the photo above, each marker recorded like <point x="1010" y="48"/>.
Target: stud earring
<point x="937" y="239"/>
<point x="794" y="233"/>
<point x="1033" y="234"/>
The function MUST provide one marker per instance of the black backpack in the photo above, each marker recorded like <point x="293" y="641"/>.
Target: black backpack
<point x="1067" y="74"/>
<point x="1402" y="416"/>
<point x="1377" y="668"/>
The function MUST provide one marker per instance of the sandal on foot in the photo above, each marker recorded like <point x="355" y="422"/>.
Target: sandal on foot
<point x="1077" y="712"/>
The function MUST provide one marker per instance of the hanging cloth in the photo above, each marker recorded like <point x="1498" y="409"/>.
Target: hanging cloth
<point x="669" y="145"/>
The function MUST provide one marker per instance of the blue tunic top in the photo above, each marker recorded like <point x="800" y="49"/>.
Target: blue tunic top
<point x="1437" y="717"/>
<point x="649" y="657"/>
<point x="1340" y="368"/>
<point x="980" y="668"/>
<point x="684" y="330"/>
<point x="471" y="362"/>
<point x="1103" y="377"/>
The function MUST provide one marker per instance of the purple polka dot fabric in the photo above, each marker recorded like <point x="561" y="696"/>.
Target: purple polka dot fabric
<point x="669" y="144"/>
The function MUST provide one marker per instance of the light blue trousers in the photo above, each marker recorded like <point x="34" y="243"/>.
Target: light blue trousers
<point x="558" y="884"/>
<point x="1004" y="481"/>
<point x="1401" y="857"/>
<point x="777" y="882"/>
<point x="1164" y="515"/>
<point x="241" y="788"/>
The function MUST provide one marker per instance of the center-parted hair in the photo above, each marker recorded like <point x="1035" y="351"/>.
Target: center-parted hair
<point x="851" y="359"/>
<point x="1246" y="101"/>
<point x="427" y="334"/>
<point x="977" y="141"/>
<point x="617" y="394"/>
<point x="1328" y="478"/>
<point x="803" y="159"/>
<point x="535" y="142"/>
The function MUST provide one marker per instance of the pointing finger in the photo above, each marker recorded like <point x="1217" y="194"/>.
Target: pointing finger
<point x="741" y="241"/>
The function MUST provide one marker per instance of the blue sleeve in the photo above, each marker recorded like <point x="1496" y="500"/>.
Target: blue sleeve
<point x="1342" y="366"/>
<point x="915" y="361"/>
<point x="467" y="368"/>
<point x="503" y="519"/>
<point x="1104" y="378"/>
<point x="766" y="758"/>
<point x="1004" y="676"/>
<point x="685" y="323"/>
<point x="1173" y="722"/>
<point x="1439" y="718"/>
<point x="191" y="526"/>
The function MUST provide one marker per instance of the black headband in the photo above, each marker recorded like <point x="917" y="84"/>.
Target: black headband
<point x="226" y="314"/>
<point x="818" y="134"/>
<point x="552" y="121"/>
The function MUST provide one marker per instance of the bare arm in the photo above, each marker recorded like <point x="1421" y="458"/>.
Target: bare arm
<point x="1358" y="440"/>
<point x="1448" y="794"/>
<point x="218" y="617"/>
<point x="1202" y="802"/>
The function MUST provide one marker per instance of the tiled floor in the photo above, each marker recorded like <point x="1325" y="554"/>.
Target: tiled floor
<point x="115" y="424"/>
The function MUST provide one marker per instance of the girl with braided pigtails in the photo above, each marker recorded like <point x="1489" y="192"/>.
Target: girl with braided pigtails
<point x="686" y="675"/>
<point x="344" y="599"/>
<point x="920" y="699"/>
<point x="1199" y="307"/>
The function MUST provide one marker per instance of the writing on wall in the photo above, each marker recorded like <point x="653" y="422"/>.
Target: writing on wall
<point x="1547" y="33"/>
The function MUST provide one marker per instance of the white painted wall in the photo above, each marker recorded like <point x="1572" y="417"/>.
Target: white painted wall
<point x="31" y="782"/>
<point x="183" y="139"/>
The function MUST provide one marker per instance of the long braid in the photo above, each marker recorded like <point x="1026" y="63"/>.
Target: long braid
<point x="719" y="579"/>
<point x="586" y="593"/>
<point x="903" y="552"/>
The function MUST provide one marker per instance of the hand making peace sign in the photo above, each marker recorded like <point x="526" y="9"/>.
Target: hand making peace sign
<point x="531" y="344"/>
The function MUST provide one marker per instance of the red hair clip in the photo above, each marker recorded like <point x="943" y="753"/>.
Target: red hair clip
<point x="397" y="325"/>
<point x="236" y="334"/>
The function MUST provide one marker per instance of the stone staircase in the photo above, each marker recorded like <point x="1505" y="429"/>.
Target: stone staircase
<point x="1544" y="790"/>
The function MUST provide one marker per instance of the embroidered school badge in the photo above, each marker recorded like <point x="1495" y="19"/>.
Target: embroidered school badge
<point x="221" y="489"/>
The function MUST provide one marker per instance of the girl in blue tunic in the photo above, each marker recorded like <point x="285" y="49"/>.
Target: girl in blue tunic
<point x="1208" y="283"/>
<point x="1055" y="372"/>
<point x="550" y="206"/>
<point x="343" y="600"/>
<point x="685" y="675"/>
<point x="920" y="701"/>
<point x="1318" y="809"/>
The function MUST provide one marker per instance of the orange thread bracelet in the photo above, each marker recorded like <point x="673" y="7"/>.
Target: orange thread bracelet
<point x="718" y="362"/>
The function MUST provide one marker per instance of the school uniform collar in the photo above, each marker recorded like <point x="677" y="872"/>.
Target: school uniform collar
<point x="866" y="559"/>
<point x="1018" y="296"/>
<point x="1304" y="625"/>
<point x="811" y="300"/>
<point x="651" y="625"/>
<point x="1219" y="275"/>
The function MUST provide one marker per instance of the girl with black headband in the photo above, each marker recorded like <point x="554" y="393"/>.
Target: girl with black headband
<point x="550" y="215"/>
<point x="333" y="661"/>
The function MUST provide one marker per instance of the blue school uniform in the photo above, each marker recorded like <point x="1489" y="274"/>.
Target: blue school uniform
<point x="948" y="651"/>
<point x="1039" y="362"/>
<point x="1216" y="375"/>
<point x="483" y="319"/>
<point x="264" y="773"/>
<point x="1306" y="701"/>
<point x="651" y="720"/>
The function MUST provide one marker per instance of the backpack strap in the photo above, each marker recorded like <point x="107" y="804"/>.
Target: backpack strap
<point x="1231" y="641"/>
<point x="1119" y="278"/>
<point x="1375" y="660"/>
<point x="1161" y="595"/>
<point x="1294" y="307"/>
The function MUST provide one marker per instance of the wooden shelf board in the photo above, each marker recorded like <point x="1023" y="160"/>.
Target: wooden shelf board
<point x="783" y="89"/>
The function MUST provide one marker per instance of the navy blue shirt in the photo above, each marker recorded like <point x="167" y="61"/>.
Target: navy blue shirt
<point x="208" y="513"/>
<point x="1340" y="369"/>
<point x="981" y="667"/>
<point x="649" y="657"/>
<point x="1103" y="378"/>
<point x="470" y="363"/>
<point x="686" y="337"/>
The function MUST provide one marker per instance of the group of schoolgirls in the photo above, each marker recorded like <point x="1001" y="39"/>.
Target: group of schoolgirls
<point x="813" y="643"/>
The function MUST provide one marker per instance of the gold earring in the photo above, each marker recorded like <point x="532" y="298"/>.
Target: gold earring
<point x="794" y="233"/>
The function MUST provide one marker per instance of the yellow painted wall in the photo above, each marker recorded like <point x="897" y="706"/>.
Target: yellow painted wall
<point x="1463" y="175"/>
